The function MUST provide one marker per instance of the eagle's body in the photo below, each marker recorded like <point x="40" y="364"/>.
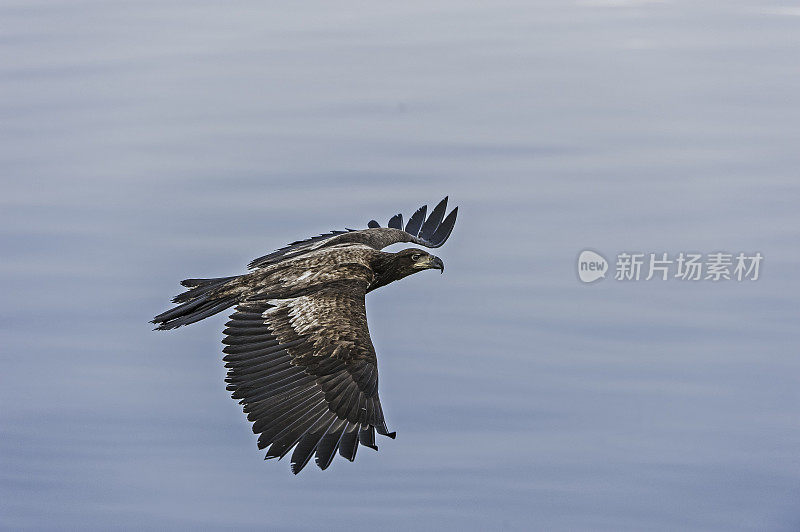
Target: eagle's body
<point x="298" y="350"/>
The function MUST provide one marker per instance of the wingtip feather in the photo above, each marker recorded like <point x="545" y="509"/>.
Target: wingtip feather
<point x="434" y="220"/>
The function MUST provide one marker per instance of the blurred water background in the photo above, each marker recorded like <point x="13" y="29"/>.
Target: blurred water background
<point x="144" y="142"/>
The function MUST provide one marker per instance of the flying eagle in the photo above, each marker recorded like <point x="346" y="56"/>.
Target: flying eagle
<point x="297" y="348"/>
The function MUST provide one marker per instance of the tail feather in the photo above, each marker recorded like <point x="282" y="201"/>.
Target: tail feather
<point x="190" y="283"/>
<point x="199" y="287"/>
<point x="196" y="304"/>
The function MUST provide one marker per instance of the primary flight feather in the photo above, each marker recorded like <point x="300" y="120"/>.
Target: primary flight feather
<point x="297" y="348"/>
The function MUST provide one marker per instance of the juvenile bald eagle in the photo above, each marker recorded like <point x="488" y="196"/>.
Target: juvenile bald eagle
<point x="298" y="351"/>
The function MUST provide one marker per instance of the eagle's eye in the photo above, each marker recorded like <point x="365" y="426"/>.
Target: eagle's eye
<point x="416" y="256"/>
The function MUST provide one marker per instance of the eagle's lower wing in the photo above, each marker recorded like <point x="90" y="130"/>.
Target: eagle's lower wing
<point x="431" y="232"/>
<point x="305" y="371"/>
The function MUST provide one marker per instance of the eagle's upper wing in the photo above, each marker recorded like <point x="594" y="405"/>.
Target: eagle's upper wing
<point x="305" y="371"/>
<point x="430" y="232"/>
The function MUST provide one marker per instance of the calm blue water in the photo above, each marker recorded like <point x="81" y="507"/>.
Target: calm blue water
<point x="146" y="142"/>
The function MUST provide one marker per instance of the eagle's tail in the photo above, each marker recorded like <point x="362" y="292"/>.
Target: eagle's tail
<point x="204" y="298"/>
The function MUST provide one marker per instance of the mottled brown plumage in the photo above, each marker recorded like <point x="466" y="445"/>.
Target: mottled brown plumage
<point x="299" y="356"/>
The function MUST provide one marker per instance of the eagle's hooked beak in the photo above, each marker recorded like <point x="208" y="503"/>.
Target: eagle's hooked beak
<point x="437" y="263"/>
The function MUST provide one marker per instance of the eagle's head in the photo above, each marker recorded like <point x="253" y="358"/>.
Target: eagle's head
<point x="413" y="260"/>
<point x="394" y="266"/>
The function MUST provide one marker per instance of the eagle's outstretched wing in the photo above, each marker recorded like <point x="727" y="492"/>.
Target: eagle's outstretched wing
<point x="305" y="371"/>
<point x="431" y="232"/>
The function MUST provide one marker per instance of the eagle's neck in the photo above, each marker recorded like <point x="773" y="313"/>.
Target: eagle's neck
<point x="387" y="270"/>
